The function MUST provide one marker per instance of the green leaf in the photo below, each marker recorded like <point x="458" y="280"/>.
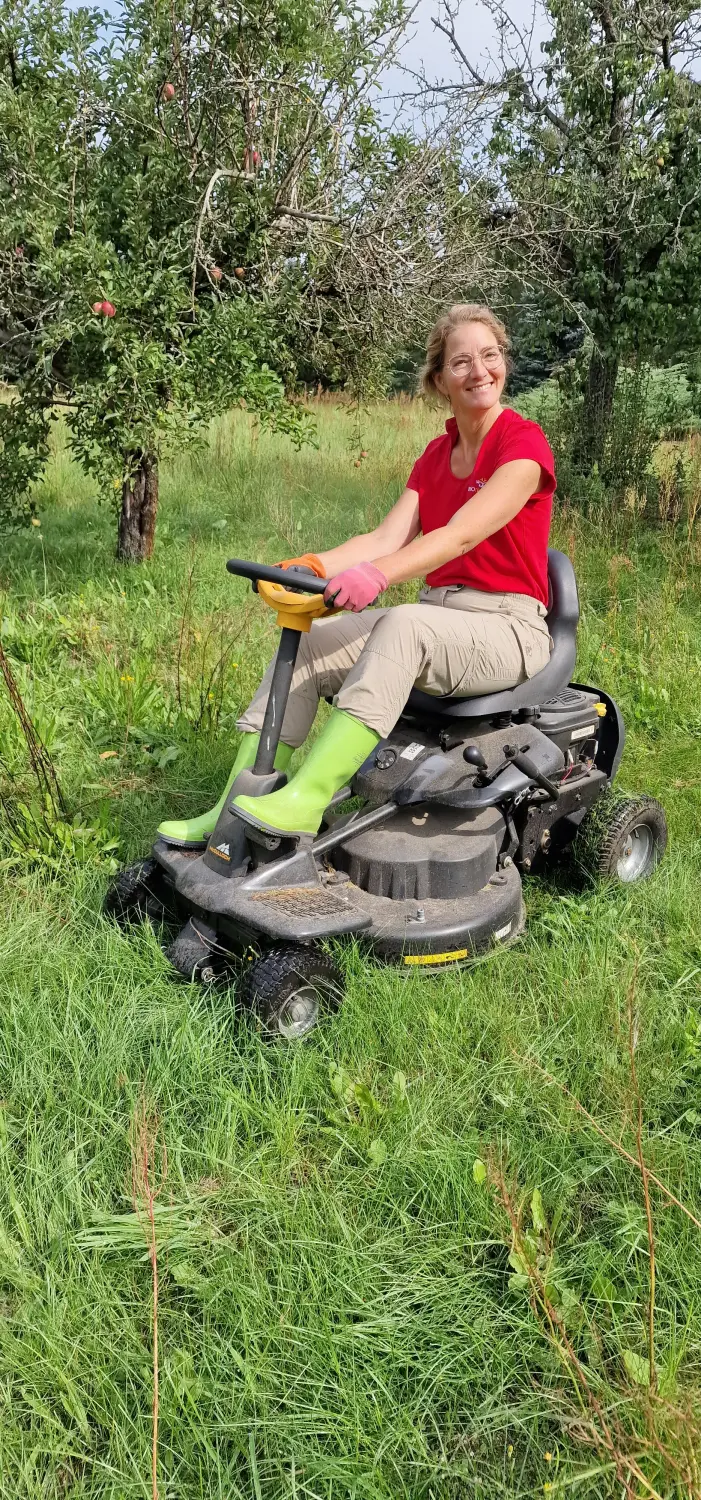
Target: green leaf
<point x="540" y="1223"/>
<point x="603" y="1288"/>
<point x="366" y="1100"/>
<point x="637" y="1367"/>
<point x="517" y="1262"/>
<point x="399" y="1084"/>
<point x="377" y="1153"/>
<point x="479" y="1171"/>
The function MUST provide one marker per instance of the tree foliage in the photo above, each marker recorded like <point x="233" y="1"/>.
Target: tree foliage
<point x="203" y="204"/>
<point x="596" y="153"/>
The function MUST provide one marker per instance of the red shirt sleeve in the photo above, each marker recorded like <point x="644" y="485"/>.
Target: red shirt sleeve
<point x="414" y="480"/>
<point x="527" y="440"/>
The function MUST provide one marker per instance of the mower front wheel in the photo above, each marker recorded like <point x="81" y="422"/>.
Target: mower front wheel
<point x="288" y="988"/>
<point x="623" y="838"/>
<point x="137" y="893"/>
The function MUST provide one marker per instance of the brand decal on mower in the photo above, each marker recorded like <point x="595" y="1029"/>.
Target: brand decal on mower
<point x="502" y="933"/>
<point x="583" y="734"/>
<point x="222" y="850"/>
<point x="435" y="958"/>
<point x="412" y="751"/>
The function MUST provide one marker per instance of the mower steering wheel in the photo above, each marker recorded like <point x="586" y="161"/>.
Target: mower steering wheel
<point x="298" y="599"/>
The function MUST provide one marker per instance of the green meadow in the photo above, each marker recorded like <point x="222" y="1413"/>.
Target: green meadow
<point x="408" y="1259"/>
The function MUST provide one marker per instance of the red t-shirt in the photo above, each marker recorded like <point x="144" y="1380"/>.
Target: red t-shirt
<point x="514" y="560"/>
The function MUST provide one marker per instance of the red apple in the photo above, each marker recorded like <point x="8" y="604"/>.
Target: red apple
<point x="168" y="91"/>
<point x="97" y="307"/>
<point x="255" y="158"/>
<point x="240" y="272"/>
<point x="363" y="453"/>
<point x="216" y="273"/>
<point x="108" y="309"/>
<point x="19" y="251"/>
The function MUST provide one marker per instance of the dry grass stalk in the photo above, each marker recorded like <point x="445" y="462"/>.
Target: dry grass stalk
<point x="42" y="764"/>
<point x="149" y="1168"/>
<point x="644" y="1171"/>
<point x="211" y="644"/>
<point x="597" y="1428"/>
<point x="598" y="1423"/>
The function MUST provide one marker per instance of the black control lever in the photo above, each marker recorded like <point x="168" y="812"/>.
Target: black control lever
<point x="513" y="756"/>
<point x="474" y="757"/>
<point x="518" y="758"/>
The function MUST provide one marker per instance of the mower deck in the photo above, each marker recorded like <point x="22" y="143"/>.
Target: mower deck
<point x="406" y="931"/>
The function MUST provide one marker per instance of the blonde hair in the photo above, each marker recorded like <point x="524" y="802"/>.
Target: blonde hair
<point x="461" y="312"/>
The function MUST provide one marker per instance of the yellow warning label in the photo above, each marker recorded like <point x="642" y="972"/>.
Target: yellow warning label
<point x="435" y="958"/>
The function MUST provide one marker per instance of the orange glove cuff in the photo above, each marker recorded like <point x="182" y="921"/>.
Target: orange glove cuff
<point x="311" y="560"/>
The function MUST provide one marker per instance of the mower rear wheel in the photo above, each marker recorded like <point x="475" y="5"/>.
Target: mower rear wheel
<point x="136" y="893"/>
<point x="288" y="988"/>
<point x="623" y="838"/>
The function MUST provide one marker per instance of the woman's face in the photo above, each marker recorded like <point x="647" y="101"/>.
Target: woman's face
<point x="473" y="371"/>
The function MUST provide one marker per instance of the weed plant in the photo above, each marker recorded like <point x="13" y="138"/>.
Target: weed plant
<point x="400" y="1261"/>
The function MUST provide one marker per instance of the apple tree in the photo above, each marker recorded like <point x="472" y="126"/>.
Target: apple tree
<point x="202" y="199"/>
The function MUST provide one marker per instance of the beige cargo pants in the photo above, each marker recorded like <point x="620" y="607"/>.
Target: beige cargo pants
<point x="471" y="643"/>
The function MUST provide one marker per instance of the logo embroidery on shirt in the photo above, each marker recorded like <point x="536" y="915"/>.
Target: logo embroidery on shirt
<point x="476" y="486"/>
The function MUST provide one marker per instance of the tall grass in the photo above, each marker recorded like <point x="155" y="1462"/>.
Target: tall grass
<point x="384" y="1257"/>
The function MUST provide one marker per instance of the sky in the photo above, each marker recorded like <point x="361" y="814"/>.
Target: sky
<point x="427" y="50"/>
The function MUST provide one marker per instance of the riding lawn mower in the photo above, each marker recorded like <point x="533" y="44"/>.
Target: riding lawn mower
<point x="425" y="869"/>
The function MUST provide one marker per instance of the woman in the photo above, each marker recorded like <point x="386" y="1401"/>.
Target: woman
<point x="474" y="520"/>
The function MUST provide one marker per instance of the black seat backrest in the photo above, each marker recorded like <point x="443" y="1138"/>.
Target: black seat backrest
<point x="563" y="618"/>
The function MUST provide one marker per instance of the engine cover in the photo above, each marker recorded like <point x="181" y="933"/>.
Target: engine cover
<point x="424" y="853"/>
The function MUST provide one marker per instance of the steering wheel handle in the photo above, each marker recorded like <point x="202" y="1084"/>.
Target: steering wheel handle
<point x="300" y="583"/>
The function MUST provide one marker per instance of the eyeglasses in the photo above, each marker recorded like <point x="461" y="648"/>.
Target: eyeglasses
<point x="464" y="364"/>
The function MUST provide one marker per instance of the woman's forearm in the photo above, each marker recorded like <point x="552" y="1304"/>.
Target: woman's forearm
<point x="423" y="555"/>
<point x="497" y="503"/>
<point x="357" y="549"/>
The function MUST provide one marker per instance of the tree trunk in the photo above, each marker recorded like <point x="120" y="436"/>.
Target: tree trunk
<point x="137" y="520"/>
<point x="598" y="408"/>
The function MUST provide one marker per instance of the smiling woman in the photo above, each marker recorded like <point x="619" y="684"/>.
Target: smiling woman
<point x="473" y="520"/>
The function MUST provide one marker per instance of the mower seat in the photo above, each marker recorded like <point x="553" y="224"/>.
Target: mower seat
<point x="562" y="618"/>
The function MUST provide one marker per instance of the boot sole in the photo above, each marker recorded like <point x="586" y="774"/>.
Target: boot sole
<point x="182" y="843"/>
<point x="278" y="833"/>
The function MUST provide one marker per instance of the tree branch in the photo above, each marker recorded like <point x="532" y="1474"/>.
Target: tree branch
<point x="216" y="177"/>
<point x="534" y="105"/>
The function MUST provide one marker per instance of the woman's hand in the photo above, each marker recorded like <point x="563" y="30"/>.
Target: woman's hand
<point x="355" y="588"/>
<point x="307" y="563"/>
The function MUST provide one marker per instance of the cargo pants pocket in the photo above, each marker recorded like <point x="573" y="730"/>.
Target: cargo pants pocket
<point x="535" y="646"/>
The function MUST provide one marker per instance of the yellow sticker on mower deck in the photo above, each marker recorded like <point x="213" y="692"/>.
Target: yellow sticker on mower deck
<point x="435" y="958"/>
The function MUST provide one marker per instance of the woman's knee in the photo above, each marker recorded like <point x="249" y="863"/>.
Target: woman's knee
<point x="403" y="631"/>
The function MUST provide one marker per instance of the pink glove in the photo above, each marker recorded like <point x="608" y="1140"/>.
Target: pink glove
<point x="355" y="587"/>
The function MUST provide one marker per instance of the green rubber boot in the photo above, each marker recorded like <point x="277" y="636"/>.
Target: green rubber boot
<point x="342" y="746"/>
<point x="194" y="832"/>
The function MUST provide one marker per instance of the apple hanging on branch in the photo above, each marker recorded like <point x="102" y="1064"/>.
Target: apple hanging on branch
<point x="104" y="309"/>
<point x="216" y="273"/>
<point x="168" y="91"/>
